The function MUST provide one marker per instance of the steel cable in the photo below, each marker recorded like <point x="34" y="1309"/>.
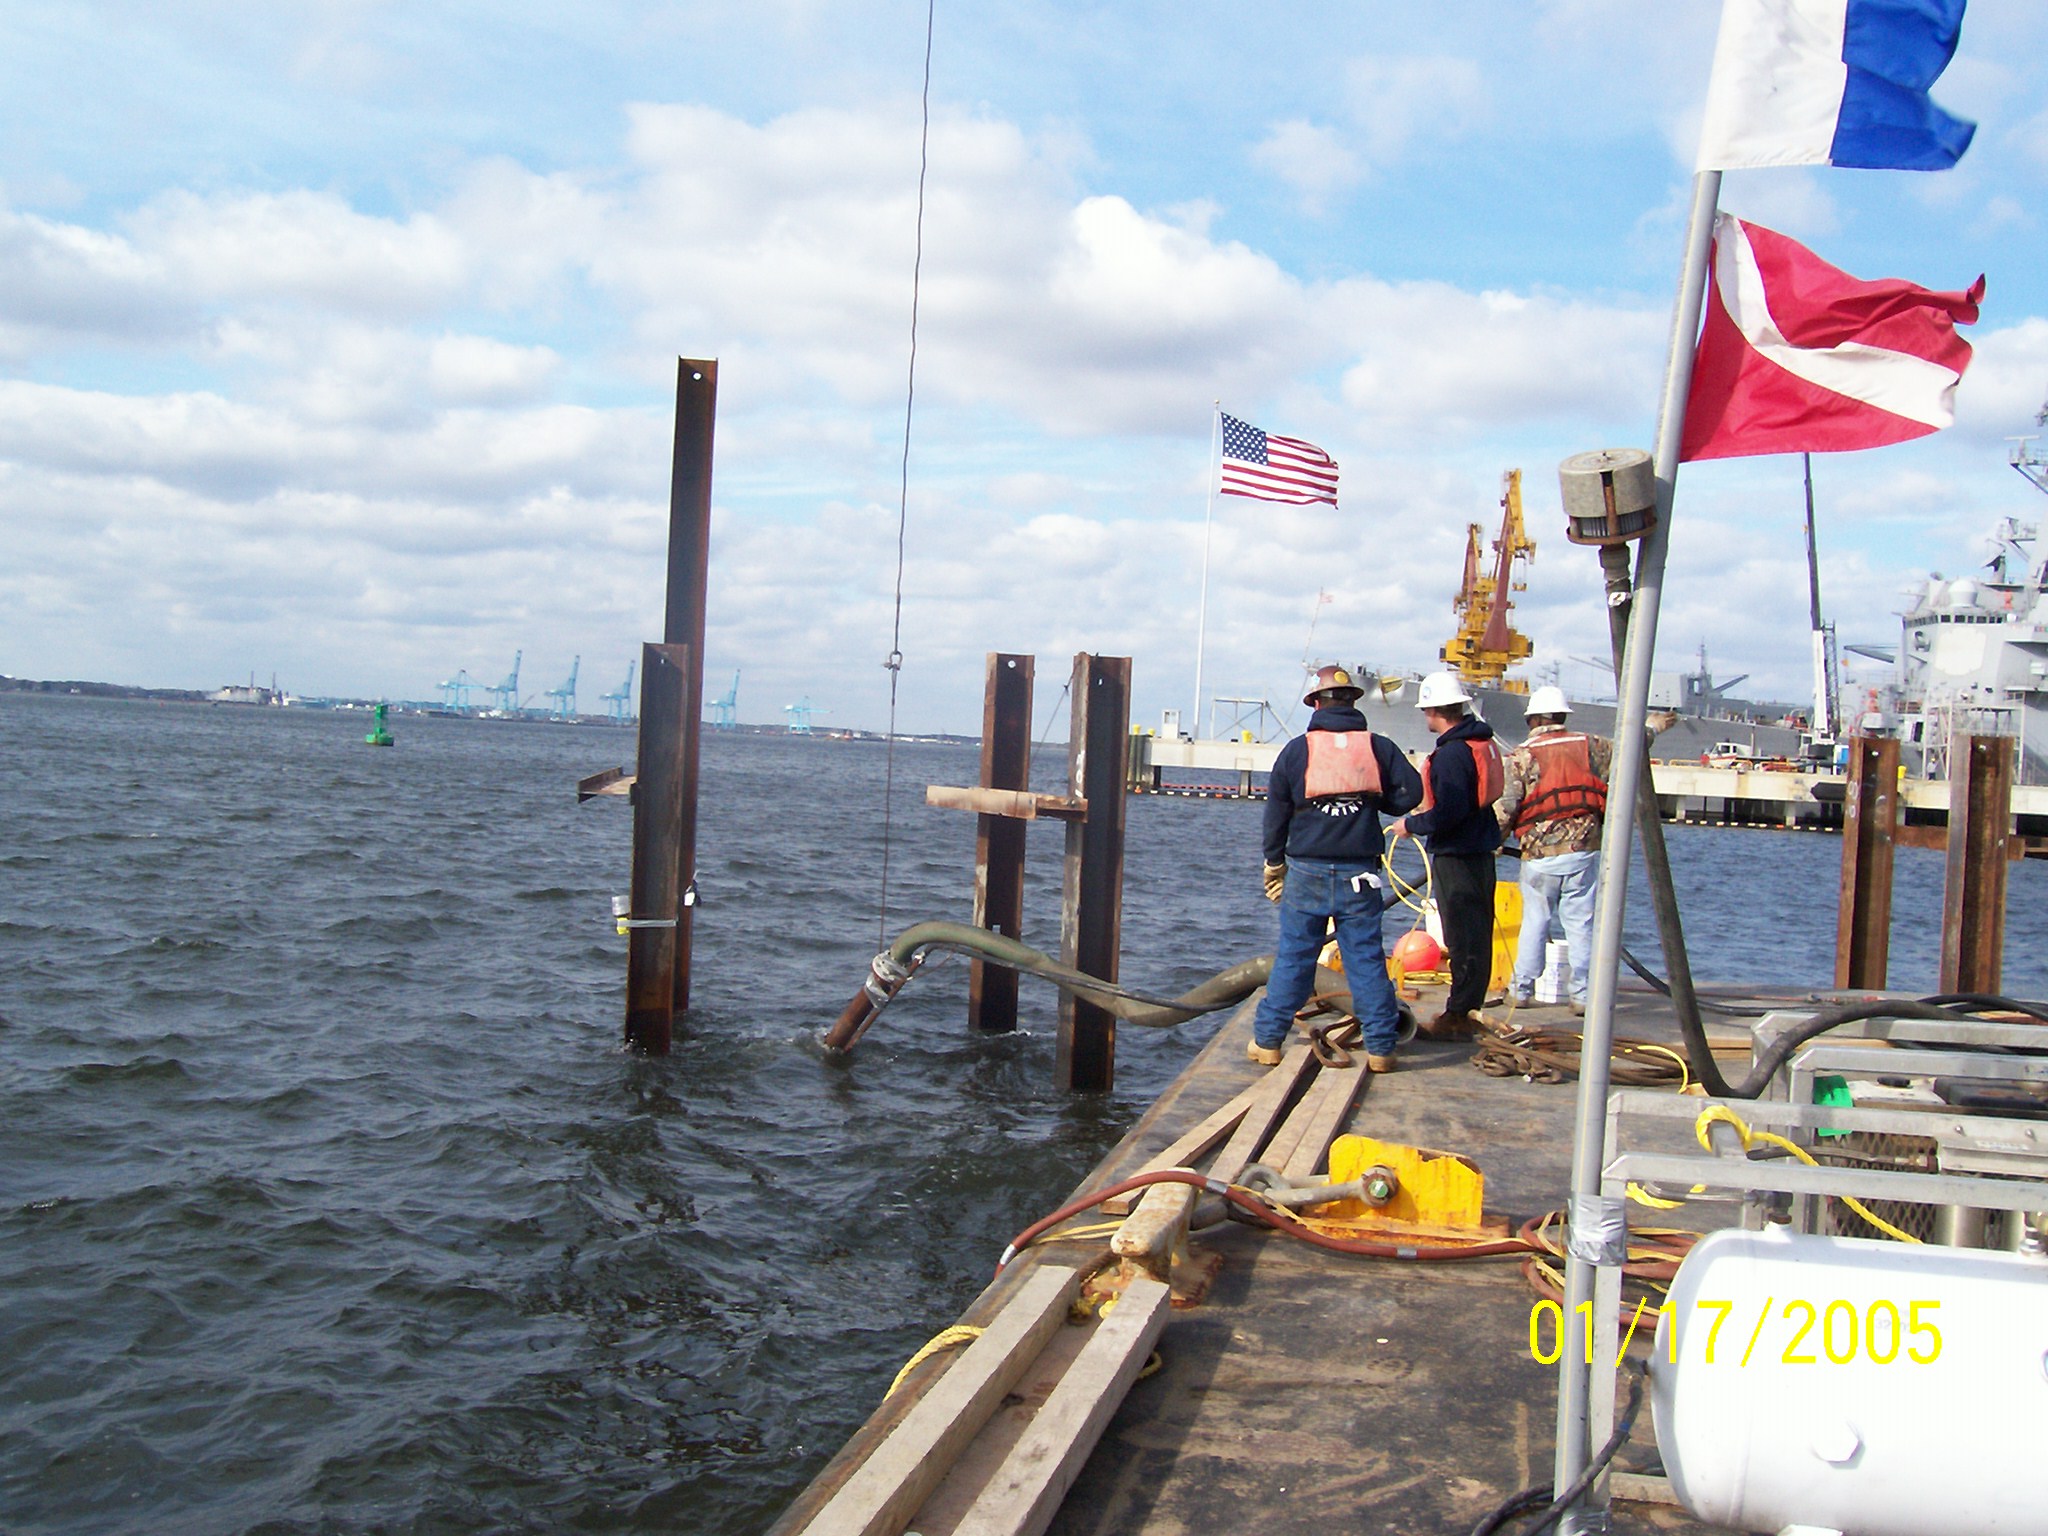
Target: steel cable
<point x="895" y="662"/>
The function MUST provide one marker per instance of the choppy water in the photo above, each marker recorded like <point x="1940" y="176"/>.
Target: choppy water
<point x="328" y="1203"/>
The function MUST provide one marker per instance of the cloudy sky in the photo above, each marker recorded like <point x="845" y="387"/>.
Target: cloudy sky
<point x="337" y="340"/>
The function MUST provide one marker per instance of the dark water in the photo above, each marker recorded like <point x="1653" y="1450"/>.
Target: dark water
<point x="328" y="1204"/>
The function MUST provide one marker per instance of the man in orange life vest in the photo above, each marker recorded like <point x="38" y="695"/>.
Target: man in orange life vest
<point x="1555" y="796"/>
<point x="1322" y="851"/>
<point x="1460" y="782"/>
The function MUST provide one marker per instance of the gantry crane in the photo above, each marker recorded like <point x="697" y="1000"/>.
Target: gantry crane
<point x="618" y="706"/>
<point x="1486" y="645"/>
<point x="725" y="711"/>
<point x="565" y="696"/>
<point x="506" y="694"/>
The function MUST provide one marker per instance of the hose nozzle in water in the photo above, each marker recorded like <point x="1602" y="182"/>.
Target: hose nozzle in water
<point x="899" y="962"/>
<point x="886" y="977"/>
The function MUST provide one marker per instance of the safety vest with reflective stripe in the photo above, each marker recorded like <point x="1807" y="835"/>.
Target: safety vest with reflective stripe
<point x="1491" y="773"/>
<point x="1340" y="763"/>
<point x="1566" y="784"/>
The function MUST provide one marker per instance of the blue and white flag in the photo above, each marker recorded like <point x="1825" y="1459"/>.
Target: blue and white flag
<point x="1832" y="82"/>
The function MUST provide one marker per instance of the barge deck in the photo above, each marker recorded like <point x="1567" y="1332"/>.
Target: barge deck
<point x="1298" y="1389"/>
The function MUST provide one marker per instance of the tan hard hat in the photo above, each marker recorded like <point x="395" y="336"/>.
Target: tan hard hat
<point x="1331" y="679"/>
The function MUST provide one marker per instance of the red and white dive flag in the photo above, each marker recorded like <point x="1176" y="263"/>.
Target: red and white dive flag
<point x="1799" y="357"/>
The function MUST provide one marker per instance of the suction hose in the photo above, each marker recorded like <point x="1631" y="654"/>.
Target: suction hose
<point x="900" y="961"/>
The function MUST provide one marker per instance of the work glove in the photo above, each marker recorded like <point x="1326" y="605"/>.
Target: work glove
<point x="1276" y="881"/>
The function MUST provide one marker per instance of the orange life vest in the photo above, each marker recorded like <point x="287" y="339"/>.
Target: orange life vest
<point x="1340" y="763"/>
<point x="1566" y="784"/>
<point x="1487" y="763"/>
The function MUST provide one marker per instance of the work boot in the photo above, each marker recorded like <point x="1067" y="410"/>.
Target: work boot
<point x="1449" y="1026"/>
<point x="1380" y="1063"/>
<point x="1262" y="1055"/>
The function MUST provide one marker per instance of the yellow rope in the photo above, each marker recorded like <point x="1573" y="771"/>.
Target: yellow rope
<point x="1721" y="1114"/>
<point x="946" y="1338"/>
<point x="1402" y="888"/>
<point x="1069" y="1234"/>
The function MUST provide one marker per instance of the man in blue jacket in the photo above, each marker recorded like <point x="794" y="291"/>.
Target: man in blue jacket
<point x="1322" y="851"/>
<point x="1460" y="783"/>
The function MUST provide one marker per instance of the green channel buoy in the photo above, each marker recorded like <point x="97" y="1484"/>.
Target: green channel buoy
<point x="379" y="736"/>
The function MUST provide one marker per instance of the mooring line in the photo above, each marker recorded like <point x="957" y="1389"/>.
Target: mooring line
<point x="895" y="661"/>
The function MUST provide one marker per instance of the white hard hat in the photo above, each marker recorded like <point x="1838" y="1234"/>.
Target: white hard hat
<point x="1548" y="700"/>
<point x="1439" y="689"/>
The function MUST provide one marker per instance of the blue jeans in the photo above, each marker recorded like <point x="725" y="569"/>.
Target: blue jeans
<point x="1564" y="883"/>
<point x="1319" y="890"/>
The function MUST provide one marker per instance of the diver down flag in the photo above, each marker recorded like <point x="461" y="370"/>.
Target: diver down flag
<point x="1832" y="82"/>
<point x="1797" y="356"/>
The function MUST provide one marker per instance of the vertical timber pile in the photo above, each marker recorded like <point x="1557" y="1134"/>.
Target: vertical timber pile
<point x="999" y="840"/>
<point x="1864" y="913"/>
<point x="654" y="931"/>
<point x="1092" y="911"/>
<point x="689" y="555"/>
<point x="1979" y="830"/>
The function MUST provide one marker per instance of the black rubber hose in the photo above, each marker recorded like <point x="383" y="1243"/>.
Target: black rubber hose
<point x="1659" y="984"/>
<point x="1781" y="1049"/>
<point x="1219" y="991"/>
<point x="1528" y="1499"/>
<point x="1985" y="1002"/>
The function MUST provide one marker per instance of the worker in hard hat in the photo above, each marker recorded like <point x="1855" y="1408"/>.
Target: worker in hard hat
<point x="1553" y="801"/>
<point x="1461" y="780"/>
<point x="1323" y="847"/>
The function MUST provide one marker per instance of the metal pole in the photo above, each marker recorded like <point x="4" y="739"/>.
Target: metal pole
<point x="654" y="911"/>
<point x="1685" y="1001"/>
<point x="1979" y="829"/>
<point x="689" y="558"/>
<point x="1863" y="912"/>
<point x="999" y="840"/>
<point x="1091" y="912"/>
<point x="1574" y="1450"/>
<point x="1825" y="727"/>
<point x="1202" y="608"/>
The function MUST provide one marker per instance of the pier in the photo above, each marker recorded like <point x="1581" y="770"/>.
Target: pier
<point x="1688" y="793"/>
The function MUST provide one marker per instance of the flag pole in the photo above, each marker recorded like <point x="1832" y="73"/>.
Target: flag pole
<point x="1208" y="518"/>
<point x="1596" y="1227"/>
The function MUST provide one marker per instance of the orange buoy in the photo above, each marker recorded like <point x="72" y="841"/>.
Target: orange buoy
<point x="1415" y="950"/>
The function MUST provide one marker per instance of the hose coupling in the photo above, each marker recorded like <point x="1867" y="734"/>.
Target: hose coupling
<point x="885" y="979"/>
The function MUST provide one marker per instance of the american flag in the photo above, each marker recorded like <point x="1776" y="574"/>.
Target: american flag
<point x="1272" y="468"/>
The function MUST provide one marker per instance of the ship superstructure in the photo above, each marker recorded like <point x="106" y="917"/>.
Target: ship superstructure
<point x="1973" y="651"/>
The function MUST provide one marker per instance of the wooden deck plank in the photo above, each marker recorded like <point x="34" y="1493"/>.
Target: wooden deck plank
<point x="888" y="1487"/>
<point x="1026" y="1492"/>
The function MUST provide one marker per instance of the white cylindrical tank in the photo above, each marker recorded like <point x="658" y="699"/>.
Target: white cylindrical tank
<point x="1881" y="1389"/>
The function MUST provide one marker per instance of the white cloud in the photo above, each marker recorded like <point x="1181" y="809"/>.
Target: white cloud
<point x="1794" y="202"/>
<point x="1311" y="158"/>
<point x="1394" y="101"/>
<point x="385" y="446"/>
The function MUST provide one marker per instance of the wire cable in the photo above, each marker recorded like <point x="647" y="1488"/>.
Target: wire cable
<point x="895" y="662"/>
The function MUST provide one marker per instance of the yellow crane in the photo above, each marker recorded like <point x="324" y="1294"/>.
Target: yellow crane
<point x="1486" y="645"/>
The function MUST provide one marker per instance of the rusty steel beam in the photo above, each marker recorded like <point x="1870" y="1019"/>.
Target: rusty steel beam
<point x="689" y="557"/>
<point x="1091" y="916"/>
<point x="653" y="917"/>
<point x="999" y="840"/>
<point x="1979" y="830"/>
<point x="1870" y="832"/>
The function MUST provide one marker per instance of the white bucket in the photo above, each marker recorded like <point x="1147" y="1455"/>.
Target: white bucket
<point x="1554" y="985"/>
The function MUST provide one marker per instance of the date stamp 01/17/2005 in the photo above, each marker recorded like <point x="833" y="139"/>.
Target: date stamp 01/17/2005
<point x="1800" y="1332"/>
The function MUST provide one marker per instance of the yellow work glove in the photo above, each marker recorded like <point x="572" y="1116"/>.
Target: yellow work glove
<point x="1276" y="881"/>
